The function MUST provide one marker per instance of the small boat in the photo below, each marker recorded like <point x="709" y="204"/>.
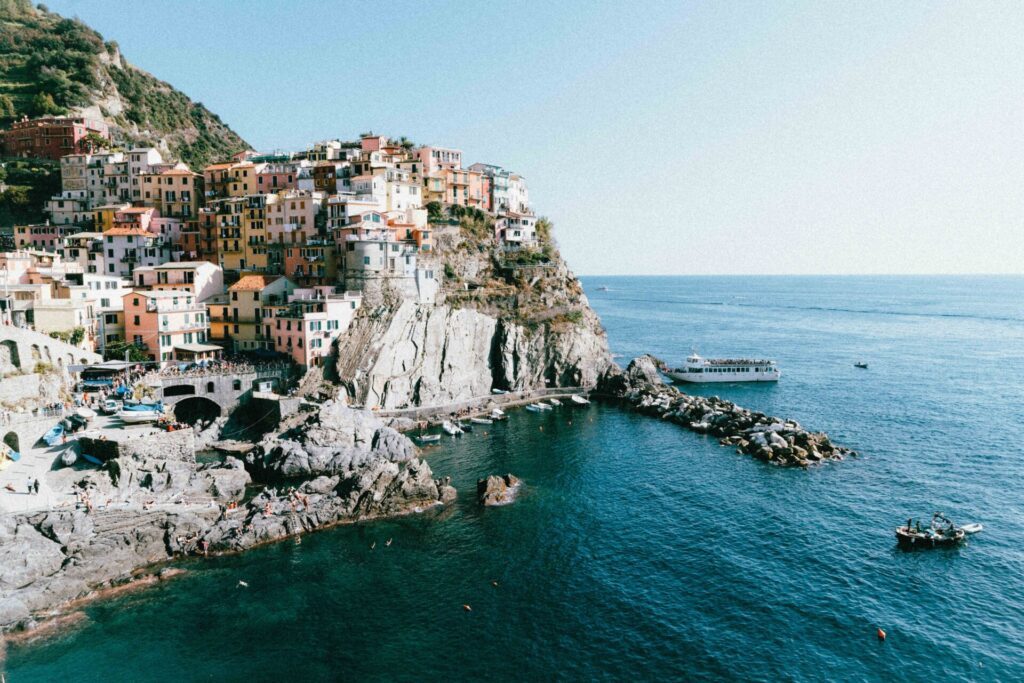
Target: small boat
<point x="972" y="528"/>
<point x="92" y="458"/>
<point x="464" y="426"/>
<point x="862" y="365"/>
<point x="603" y="288"/>
<point x="579" y="400"/>
<point x="137" y="413"/>
<point x="481" y="421"/>
<point x="10" y="454"/>
<point x="53" y="437"/>
<point x="87" y="413"/>
<point x="534" y="408"/>
<point x="499" y="392"/>
<point x="69" y="458"/>
<point x="941" y="533"/>
<point x="544" y="406"/>
<point x="450" y="428"/>
<point x="429" y="438"/>
<point x="497" y="415"/>
<point x="554" y="402"/>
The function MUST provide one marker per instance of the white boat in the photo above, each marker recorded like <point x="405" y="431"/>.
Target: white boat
<point x="697" y="369"/>
<point x="498" y="414"/>
<point x="972" y="528"/>
<point x="534" y="408"/>
<point x="579" y="400"/>
<point x="429" y="438"/>
<point x="450" y="428"/>
<point x="481" y="420"/>
<point x="554" y="402"/>
<point x="139" y="414"/>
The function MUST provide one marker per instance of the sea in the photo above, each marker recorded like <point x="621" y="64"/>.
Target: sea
<point x="641" y="551"/>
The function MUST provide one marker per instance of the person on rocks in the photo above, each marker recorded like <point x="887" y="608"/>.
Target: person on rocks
<point x="35" y="486"/>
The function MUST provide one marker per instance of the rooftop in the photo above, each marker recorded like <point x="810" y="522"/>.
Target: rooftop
<point x="253" y="283"/>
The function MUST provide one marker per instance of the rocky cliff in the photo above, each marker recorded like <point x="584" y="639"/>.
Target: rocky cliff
<point x="502" y="320"/>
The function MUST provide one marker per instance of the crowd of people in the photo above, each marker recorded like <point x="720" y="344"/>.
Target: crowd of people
<point x="227" y="366"/>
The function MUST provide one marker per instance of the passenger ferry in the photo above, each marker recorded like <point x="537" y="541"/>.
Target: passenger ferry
<point x="697" y="369"/>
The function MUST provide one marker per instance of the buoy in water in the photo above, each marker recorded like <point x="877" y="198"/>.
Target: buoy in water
<point x="388" y="543"/>
<point x="494" y="583"/>
<point x="467" y="608"/>
<point x="242" y="584"/>
<point x="881" y="634"/>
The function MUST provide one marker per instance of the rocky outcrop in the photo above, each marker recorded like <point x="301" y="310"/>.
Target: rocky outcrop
<point x="772" y="439"/>
<point x="495" y="490"/>
<point x="151" y="502"/>
<point x="512" y="331"/>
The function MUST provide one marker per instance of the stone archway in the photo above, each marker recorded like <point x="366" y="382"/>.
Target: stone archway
<point x="11" y="439"/>
<point x="195" y="409"/>
<point x="179" y="390"/>
<point x="9" y="358"/>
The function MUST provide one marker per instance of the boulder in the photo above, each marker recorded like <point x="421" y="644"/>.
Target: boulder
<point x="497" y="490"/>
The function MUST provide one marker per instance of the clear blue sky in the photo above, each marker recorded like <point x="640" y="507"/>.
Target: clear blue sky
<point x="660" y="137"/>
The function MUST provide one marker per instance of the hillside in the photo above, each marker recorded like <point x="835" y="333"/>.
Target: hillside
<point x="53" y="65"/>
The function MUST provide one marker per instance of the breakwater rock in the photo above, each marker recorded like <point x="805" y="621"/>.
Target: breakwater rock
<point x="495" y="490"/>
<point x="772" y="439"/>
<point x="152" y="502"/>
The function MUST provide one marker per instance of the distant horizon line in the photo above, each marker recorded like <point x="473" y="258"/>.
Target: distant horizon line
<point x="800" y="275"/>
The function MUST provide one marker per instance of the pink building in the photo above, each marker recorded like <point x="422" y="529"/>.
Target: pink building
<point x="436" y="159"/>
<point x="306" y="328"/>
<point x="275" y="177"/>
<point x="140" y="217"/>
<point x="166" y="325"/>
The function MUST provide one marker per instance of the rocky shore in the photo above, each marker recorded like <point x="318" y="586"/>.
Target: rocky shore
<point x="152" y="502"/>
<point x="775" y="440"/>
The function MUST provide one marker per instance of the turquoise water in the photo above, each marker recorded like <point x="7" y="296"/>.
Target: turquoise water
<point x="643" y="551"/>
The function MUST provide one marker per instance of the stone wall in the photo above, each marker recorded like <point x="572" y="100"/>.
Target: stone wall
<point x="21" y="349"/>
<point x="142" y="444"/>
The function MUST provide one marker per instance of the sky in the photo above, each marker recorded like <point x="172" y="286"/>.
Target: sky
<point x="659" y="137"/>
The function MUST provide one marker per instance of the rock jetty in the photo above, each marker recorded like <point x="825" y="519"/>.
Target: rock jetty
<point x="496" y="490"/>
<point x="152" y="502"/>
<point x="772" y="439"/>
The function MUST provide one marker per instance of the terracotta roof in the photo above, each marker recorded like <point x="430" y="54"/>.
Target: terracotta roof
<point x="121" y="232"/>
<point x="218" y="167"/>
<point x="253" y="283"/>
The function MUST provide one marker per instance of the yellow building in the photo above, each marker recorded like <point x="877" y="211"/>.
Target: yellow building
<point x="176" y="192"/>
<point x="254" y="233"/>
<point x="240" y="317"/>
<point x="103" y="216"/>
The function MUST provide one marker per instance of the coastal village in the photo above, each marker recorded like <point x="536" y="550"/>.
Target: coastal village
<point x="246" y="271"/>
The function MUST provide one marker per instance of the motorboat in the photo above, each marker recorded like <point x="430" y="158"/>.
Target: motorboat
<point x="941" y="532"/>
<point x="498" y="392"/>
<point x="54" y="435"/>
<point x="534" y="408"/>
<point x="498" y="414"/>
<point x="554" y="402"/>
<point x="481" y="421"/>
<point x="450" y="428"/>
<point x="429" y="438"/>
<point x="69" y="457"/>
<point x="862" y="365"/>
<point x="576" y="399"/>
<point x="138" y="413"/>
<point x="973" y="528"/>
<point x="544" y="406"/>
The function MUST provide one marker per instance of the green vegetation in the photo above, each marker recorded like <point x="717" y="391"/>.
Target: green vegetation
<point x="544" y="228"/>
<point x="51" y="65"/>
<point x="449" y="272"/>
<point x="73" y="337"/>
<point x="42" y="367"/>
<point x="29" y="184"/>
<point x="116" y="350"/>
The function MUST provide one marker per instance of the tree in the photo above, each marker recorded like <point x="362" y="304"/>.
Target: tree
<point x="43" y="105"/>
<point x="93" y="142"/>
<point x="115" y="351"/>
<point x="7" y="107"/>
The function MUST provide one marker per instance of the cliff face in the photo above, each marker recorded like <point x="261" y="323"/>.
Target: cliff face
<point x="495" y="325"/>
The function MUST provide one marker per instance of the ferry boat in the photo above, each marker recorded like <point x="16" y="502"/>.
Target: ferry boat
<point x="697" y="369"/>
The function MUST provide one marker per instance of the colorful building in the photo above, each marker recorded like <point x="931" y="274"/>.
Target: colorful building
<point x="162" y="322"/>
<point x="306" y="328"/>
<point x="49" y="137"/>
<point x="237" y="320"/>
